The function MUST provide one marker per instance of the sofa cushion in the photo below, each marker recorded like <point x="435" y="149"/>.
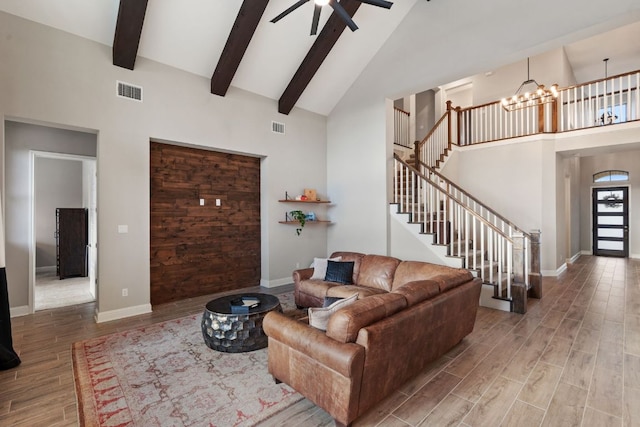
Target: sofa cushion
<point x="418" y="290"/>
<point x="345" y="324"/>
<point x="376" y="271"/>
<point x="348" y="290"/>
<point x="409" y="271"/>
<point x="339" y="271"/>
<point x="356" y="257"/>
<point x="319" y="316"/>
<point x="320" y="267"/>
<point x="452" y="280"/>
<point x="316" y="288"/>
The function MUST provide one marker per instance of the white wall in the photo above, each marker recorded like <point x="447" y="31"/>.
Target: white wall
<point x="48" y="76"/>
<point x="547" y="68"/>
<point x="572" y="203"/>
<point x="58" y="184"/>
<point x="425" y="113"/>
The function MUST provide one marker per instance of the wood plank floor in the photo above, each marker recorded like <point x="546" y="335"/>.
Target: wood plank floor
<point x="573" y="359"/>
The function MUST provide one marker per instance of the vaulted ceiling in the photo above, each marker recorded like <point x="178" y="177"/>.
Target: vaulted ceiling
<point x="233" y="43"/>
<point x="211" y="37"/>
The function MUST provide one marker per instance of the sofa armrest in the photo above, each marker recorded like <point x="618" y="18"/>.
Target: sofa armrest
<point x="302" y="274"/>
<point x="345" y="358"/>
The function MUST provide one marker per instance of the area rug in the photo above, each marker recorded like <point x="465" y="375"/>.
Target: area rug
<point x="165" y="375"/>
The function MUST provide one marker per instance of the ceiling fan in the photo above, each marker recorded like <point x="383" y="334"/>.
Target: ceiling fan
<point x="337" y="7"/>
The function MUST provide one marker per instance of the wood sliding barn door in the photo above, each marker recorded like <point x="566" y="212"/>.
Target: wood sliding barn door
<point x="202" y="249"/>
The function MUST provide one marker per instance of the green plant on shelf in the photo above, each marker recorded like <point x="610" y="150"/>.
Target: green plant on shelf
<point x="301" y="217"/>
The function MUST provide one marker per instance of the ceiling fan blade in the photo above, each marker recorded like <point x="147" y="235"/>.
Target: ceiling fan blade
<point x="337" y="8"/>
<point x="379" y="3"/>
<point x="316" y="19"/>
<point x="289" y="10"/>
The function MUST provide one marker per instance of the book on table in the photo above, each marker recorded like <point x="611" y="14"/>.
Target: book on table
<point x="246" y="302"/>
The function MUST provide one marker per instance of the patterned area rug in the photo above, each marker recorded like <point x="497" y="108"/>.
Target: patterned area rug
<point x="165" y="375"/>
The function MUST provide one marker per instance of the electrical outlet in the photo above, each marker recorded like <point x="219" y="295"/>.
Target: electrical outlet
<point x="297" y="265"/>
<point x="125" y="292"/>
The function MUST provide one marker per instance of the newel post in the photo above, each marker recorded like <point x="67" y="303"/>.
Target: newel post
<point x="518" y="285"/>
<point x="449" y="136"/>
<point x="535" y="278"/>
<point x="416" y="154"/>
<point x="554" y="116"/>
<point x="541" y="118"/>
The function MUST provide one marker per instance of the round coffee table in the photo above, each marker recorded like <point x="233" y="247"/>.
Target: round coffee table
<point x="225" y="331"/>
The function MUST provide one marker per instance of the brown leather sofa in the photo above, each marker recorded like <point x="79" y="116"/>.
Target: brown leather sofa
<point x="408" y="314"/>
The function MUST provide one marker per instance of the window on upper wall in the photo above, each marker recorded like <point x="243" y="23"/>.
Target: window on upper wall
<point x="611" y="176"/>
<point x="612" y="114"/>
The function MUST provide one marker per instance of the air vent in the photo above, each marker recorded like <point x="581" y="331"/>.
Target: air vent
<point x="277" y="127"/>
<point x="126" y="90"/>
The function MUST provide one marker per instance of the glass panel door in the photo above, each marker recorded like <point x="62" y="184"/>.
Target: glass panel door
<point x="611" y="221"/>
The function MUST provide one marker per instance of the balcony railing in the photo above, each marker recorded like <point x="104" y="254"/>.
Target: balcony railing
<point x="401" y="128"/>
<point x="598" y="103"/>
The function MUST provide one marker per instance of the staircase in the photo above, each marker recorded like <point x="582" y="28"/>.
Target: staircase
<point x="460" y="230"/>
<point x="463" y="232"/>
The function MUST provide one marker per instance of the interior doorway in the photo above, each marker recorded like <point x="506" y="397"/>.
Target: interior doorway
<point x="62" y="182"/>
<point x="610" y="207"/>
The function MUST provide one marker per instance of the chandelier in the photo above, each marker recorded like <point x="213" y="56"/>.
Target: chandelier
<point x="530" y="94"/>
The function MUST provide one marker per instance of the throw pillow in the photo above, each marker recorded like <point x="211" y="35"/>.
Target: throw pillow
<point x="320" y="267"/>
<point x="319" y="316"/>
<point x="330" y="300"/>
<point x="340" y="272"/>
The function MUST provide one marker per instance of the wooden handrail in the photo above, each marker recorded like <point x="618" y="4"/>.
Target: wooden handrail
<point x="402" y="111"/>
<point x="461" y="203"/>
<point x="600" y="95"/>
<point x="467" y="194"/>
<point x="475" y="107"/>
<point x="598" y="80"/>
<point x="435" y="127"/>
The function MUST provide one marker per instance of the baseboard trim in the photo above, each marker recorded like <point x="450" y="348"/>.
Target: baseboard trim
<point x="22" y="310"/>
<point x="107" y="316"/>
<point x="574" y="258"/>
<point x="46" y="269"/>
<point x="275" y="283"/>
<point x="634" y="256"/>
<point x="586" y="253"/>
<point x="555" y="273"/>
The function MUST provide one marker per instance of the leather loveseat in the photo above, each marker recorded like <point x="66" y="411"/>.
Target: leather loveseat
<point x="408" y="314"/>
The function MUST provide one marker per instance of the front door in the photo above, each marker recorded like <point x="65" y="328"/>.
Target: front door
<point x="611" y="221"/>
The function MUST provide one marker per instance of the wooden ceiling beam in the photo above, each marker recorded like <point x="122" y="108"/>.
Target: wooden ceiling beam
<point x="324" y="43"/>
<point x="128" y="30"/>
<point x="241" y="33"/>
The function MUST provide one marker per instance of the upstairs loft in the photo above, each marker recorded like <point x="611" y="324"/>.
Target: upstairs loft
<point x="593" y="105"/>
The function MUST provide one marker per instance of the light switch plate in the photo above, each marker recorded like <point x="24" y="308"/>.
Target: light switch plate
<point x="123" y="229"/>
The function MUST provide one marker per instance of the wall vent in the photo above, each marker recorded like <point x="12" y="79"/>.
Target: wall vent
<point x="277" y="127"/>
<point x="129" y="91"/>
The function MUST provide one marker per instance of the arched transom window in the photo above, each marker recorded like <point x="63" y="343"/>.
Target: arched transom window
<point x="611" y="176"/>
